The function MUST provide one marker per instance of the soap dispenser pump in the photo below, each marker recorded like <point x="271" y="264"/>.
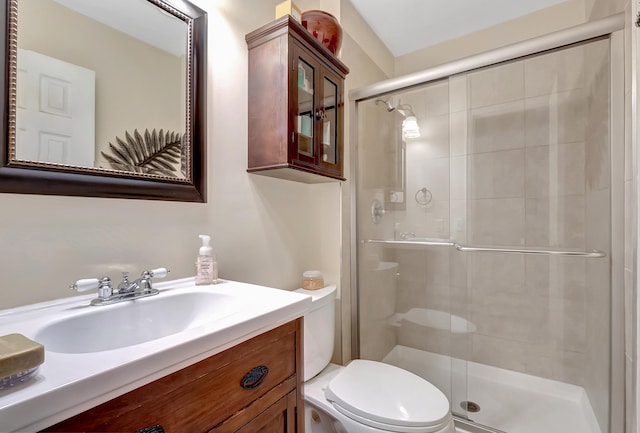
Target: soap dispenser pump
<point x="206" y="265"/>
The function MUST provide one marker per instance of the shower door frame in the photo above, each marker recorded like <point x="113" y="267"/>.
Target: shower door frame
<point x="611" y="27"/>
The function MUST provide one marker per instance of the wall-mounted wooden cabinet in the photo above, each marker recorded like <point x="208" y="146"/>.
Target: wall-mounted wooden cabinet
<point x="254" y="386"/>
<point x="296" y="105"/>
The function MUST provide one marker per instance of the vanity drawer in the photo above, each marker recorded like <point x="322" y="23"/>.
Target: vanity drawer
<point x="225" y="391"/>
<point x="205" y="394"/>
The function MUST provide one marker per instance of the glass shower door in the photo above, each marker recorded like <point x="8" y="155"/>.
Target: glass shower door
<point x="531" y="166"/>
<point x="484" y="242"/>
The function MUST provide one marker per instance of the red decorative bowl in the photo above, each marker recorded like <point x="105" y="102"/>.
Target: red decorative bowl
<point x="324" y="27"/>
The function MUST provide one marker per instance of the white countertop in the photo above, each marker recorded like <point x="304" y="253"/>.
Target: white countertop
<point x="70" y="383"/>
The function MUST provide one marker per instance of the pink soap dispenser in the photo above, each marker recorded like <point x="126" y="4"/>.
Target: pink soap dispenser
<point x="206" y="265"/>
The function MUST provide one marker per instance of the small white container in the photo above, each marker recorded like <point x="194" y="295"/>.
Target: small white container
<point x="312" y="280"/>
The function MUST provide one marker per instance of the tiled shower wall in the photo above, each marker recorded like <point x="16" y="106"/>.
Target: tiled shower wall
<point x="515" y="155"/>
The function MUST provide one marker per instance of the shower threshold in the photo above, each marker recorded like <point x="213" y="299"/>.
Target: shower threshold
<point x="465" y="426"/>
<point x="509" y="401"/>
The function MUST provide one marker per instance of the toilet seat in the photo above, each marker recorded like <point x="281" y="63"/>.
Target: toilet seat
<point x="386" y="397"/>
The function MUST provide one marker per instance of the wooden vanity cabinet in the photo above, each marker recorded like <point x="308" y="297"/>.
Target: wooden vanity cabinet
<point x="296" y="105"/>
<point x="209" y="396"/>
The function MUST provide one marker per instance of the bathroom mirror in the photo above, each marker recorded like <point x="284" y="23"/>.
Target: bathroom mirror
<point x="395" y="148"/>
<point x="104" y="99"/>
<point x="395" y="194"/>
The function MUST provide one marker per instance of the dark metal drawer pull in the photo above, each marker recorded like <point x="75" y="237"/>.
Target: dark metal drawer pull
<point x="255" y="377"/>
<point x="151" y="429"/>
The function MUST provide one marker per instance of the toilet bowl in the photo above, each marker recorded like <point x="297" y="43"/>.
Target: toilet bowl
<point x="363" y="396"/>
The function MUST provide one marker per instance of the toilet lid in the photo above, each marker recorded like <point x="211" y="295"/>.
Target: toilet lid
<point x="384" y="394"/>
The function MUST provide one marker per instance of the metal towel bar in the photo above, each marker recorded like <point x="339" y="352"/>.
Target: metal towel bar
<point x="592" y="254"/>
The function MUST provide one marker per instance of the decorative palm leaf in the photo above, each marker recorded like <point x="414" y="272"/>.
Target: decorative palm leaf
<point x="156" y="153"/>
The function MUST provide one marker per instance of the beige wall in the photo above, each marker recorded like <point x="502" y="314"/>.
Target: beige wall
<point x="561" y="16"/>
<point x="131" y="88"/>
<point x="595" y="9"/>
<point x="379" y="57"/>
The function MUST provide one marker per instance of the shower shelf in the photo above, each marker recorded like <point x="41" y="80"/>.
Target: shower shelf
<point x="591" y="254"/>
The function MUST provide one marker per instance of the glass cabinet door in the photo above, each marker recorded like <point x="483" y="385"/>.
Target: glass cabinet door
<point x="329" y="116"/>
<point x="305" y="119"/>
<point x="317" y="114"/>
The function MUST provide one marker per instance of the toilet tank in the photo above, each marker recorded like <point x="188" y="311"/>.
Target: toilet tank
<point x="319" y="328"/>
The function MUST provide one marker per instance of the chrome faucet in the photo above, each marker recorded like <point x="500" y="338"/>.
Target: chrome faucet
<point x="125" y="291"/>
<point x="141" y="284"/>
<point x="125" y="285"/>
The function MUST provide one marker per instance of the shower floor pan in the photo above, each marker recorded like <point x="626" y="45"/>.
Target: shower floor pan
<point x="508" y="401"/>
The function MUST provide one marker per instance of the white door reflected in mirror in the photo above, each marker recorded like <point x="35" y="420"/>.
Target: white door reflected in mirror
<point x="55" y="114"/>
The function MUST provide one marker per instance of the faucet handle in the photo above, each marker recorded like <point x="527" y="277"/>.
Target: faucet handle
<point x="85" y="284"/>
<point x="159" y="272"/>
<point x="102" y="284"/>
<point x="145" y="278"/>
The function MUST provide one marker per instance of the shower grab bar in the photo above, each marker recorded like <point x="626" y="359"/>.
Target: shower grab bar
<point x="592" y="254"/>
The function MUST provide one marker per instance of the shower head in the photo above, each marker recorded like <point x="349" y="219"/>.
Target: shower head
<point x="387" y="104"/>
<point x="410" y="128"/>
<point x="405" y="109"/>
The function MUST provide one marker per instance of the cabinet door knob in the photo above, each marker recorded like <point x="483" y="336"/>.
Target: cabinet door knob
<point x="320" y="115"/>
<point x="255" y="377"/>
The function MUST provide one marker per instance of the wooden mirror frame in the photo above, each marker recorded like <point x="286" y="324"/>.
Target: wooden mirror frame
<point x="73" y="181"/>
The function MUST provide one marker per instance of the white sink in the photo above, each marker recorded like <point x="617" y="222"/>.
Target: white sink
<point x="96" y="329"/>
<point x="96" y="353"/>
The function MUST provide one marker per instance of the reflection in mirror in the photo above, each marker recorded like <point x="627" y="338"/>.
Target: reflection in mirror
<point x="384" y="149"/>
<point x="108" y="88"/>
<point x="395" y="195"/>
<point x="88" y="73"/>
<point x="395" y="154"/>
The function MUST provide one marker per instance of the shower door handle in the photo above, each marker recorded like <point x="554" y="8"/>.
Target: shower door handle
<point x="377" y="212"/>
<point x="587" y="254"/>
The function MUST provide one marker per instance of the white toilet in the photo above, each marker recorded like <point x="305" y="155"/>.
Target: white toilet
<point x="364" y="396"/>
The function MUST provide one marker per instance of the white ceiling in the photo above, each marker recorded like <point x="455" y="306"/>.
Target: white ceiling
<point x="409" y="25"/>
<point x="139" y="19"/>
